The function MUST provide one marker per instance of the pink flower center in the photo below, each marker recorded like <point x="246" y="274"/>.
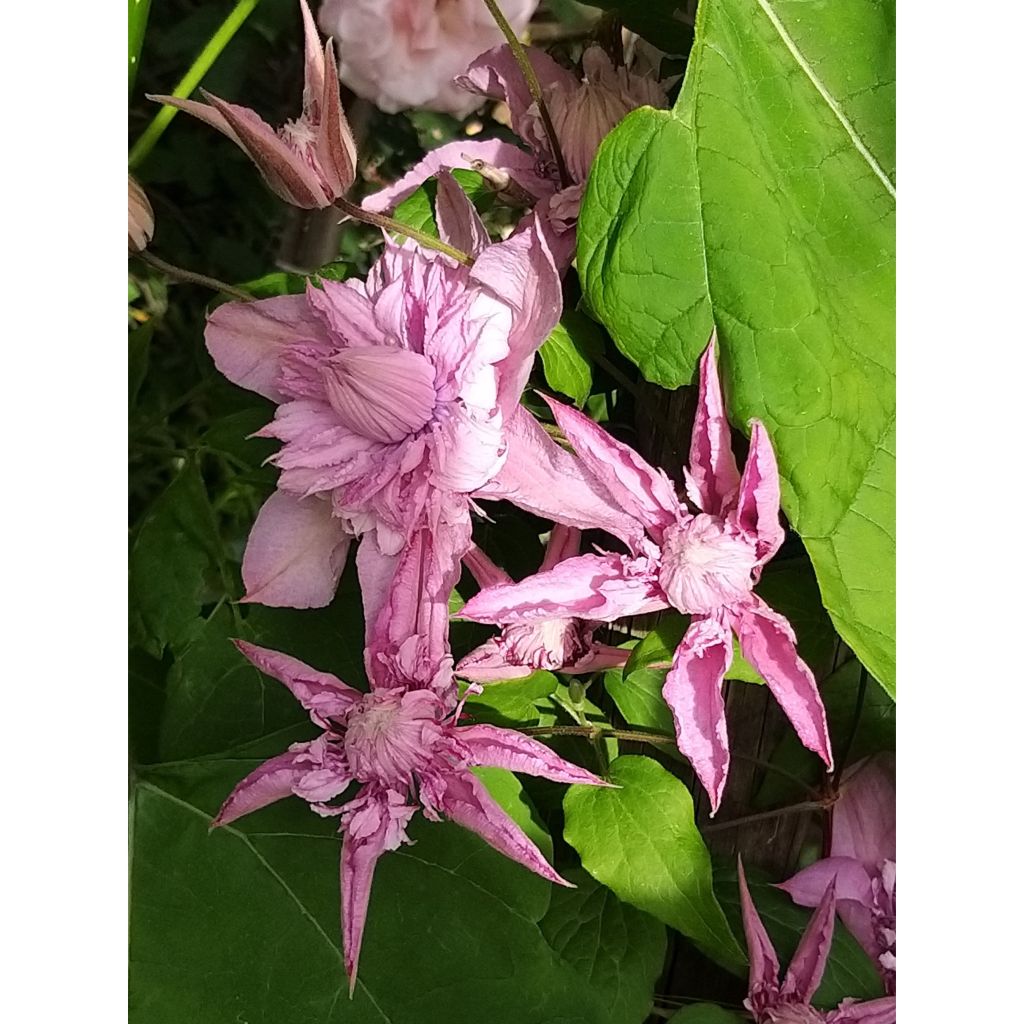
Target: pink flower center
<point x="705" y="565"/>
<point x="383" y="393"/>
<point x="548" y="644"/>
<point x="391" y="735"/>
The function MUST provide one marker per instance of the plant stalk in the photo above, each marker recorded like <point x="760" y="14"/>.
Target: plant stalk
<point x="188" y="277"/>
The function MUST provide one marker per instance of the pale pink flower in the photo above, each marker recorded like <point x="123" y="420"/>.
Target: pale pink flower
<point x="140" y="217"/>
<point x="402" y="743"/>
<point x="705" y="565"/>
<point x="394" y="395"/>
<point x="789" y="1002"/>
<point x="407" y="53"/>
<point x="556" y="644"/>
<point x="309" y="162"/>
<point x="862" y="863"/>
<point x="583" y="113"/>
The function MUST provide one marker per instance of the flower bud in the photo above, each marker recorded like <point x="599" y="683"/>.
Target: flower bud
<point x="140" y="217"/>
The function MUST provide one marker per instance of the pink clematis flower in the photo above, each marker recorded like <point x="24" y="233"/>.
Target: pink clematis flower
<point x="309" y="162"/>
<point x="582" y="112"/>
<point x="393" y="396"/>
<point x="862" y="865"/>
<point x="790" y="1002"/>
<point x="704" y="565"/>
<point x="402" y="744"/>
<point x="406" y="53"/>
<point x="556" y="644"/>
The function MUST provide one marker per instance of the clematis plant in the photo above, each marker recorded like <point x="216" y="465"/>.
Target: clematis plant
<point x="862" y="864"/>
<point x="403" y="745"/>
<point x="556" y="644"/>
<point x="393" y="397"/>
<point x="790" y="1002"/>
<point x="702" y="564"/>
<point x="309" y="162"/>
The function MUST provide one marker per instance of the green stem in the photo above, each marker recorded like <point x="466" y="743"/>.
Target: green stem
<point x="594" y="731"/>
<point x="533" y="84"/>
<point x="356" y="212"/>
<point x="189" y="277"/>
<point x="195" y="74"/>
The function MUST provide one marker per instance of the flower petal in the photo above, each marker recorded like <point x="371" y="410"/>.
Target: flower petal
<point x="768" y="643"/>
<point x="313" y="70"/>
<point x="807" y="967"/>
<point x="458" y="223"/>
<point x="322" y="694"/>
<point x="335" y="144"/>
<point x="713" y="477"/>
<point x="597" y="587"/>
<point x="563" y="543"/>
<point x="644" y="492"/>
<point x="247" y="339"/>
<point x="492" y="746"/>
<point x="467" y="802"/>
<point x="272" y="781"/>
<point x="757" y="506"/>
<point x="483" y="570"/>
<point x="488" y="664"/>
<point x="764" y="962"/>
<point x="807" y="887"/>
<point x="693" y="692"/>
<point x="345" y="312"/>
<point x="203" y="111"/>
<point x="295" y="553"/>
<point x="544" y="479"/>
<point x="864" y="816"/>
<point x="874" y="1011"/>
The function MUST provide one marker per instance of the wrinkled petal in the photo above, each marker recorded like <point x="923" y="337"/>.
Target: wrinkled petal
<point x="494" y="747"/>
<point x="597" y="659"/>
<point x="563" y="543"/>
<point x="272" y="781"/>
<point x="764" y="962"/>
<point x="462" y="153"/>
<point x="602" y="588"/>
<point x="345" y="310"/>
<point x="807" y="967"/>
<point x="874" y="1011"/>
<point x="713" y="478"/>
<point x="768" y="643"/>
<point x="544" y="479"/>
<point x="757" y="508"/>
<point x="458" y="223"/>
<point x="483" y="570"/>
<point x="295" y="553"/>
<point x="247" y="339"/>
<point x="467" y="802"/>
<point x="864" y="816"/>
<point x="693" y="692"/>
<point x="322" y="694"/>
<point x="489" y="664"/>
<point x="644" y="492"/>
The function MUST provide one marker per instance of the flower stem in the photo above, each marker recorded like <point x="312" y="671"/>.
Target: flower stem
<point x="188" y="277"/>
<point x="533" y="84"/>
<point x="749" y="819"/>
<point x="379" y="220"/>
<point x="195" y="74"/>
<point x="596" y="732"/>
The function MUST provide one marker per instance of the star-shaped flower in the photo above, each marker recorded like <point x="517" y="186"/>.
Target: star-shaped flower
<point x="704" y="565"/>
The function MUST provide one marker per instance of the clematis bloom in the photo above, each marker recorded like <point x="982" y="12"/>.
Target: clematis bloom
<point x="790" y="1002"/>
<point x="309" y="162"/>
<point x="704" y="565"/>
<point x="402" y="744"/>
<point x="393" y="395"/>
<point x="556" y="644"/>
<point x="862" y="864"/>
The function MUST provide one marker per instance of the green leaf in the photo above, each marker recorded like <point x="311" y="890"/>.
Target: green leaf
<point x="242" y="923"/>
<point x="618" y="949"/>
<point x="139" y="339"/>
<point x="764" y="203"/>
<point x="641" y="842"/>
<point x="850" y="972"/>
<point x="138" y="15"/>
<point x="705" y="1013"/>
<point x="567" y="355"/>
<point x="513" y="702"/>
<point x="417" y="210"/>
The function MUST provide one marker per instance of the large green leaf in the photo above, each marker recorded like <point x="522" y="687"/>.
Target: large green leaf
<point x="618" y="949"/>
<point x="640" y="840"/>
<point x="567" y="355"/>
<point x="764" y="203"/>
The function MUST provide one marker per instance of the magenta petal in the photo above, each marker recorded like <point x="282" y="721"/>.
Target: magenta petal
<point x="295" y="554"/>
<point x="874" y="1011"/>
<point x="544" y="479"/>
<point x="768" y="643"/>
<point x="643" y="491"/>
<point x="807" y="967"/>
<point x="713" y="478"/>
<point x="488" y="664"/>
<point x="320" y="693"/>
<point x="757" y="506"/>
<point x="503" y="748"/>
<point x="597" y="587"/>
<point x="597" y="659"/>
<point x="246" y="339"/>
<point x="467" y="802"/>
<point x="359" y="856"/>
<point x="458" y="223"/>
<point x="864" y="816"/>
<point x="272" y="781"/>
<point x="344" y="310"/>
<point x="764" y="962"/>
<point x="807" y="887"/>
<point x="563" y="543"/>
<point x="693" y="692"/>
<point x="483" y="570"/>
